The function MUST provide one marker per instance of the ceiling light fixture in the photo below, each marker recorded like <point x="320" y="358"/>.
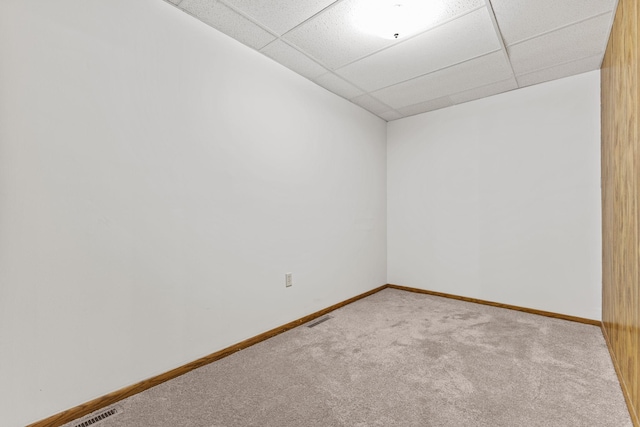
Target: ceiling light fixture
<point x="394" y="19"/>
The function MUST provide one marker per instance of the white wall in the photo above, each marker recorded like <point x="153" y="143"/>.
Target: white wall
<point x="157" y="179"/>
<point x="499" y="199"/>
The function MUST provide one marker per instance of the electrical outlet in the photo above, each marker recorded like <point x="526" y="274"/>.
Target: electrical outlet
<point x="288" y="279"/>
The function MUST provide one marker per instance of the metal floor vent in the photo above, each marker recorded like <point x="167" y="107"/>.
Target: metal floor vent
<point x="100" y="416"/>
<point x="317" y="322"/>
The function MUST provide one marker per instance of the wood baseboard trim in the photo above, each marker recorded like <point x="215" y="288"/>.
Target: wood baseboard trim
<point x="635" y="416"/>
<point x="497" y="304"/>
<point x="113" y="397"/>
<point x="118" y="395"/>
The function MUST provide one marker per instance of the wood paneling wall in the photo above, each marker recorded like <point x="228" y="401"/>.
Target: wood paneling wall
<point x="620" y="195"/>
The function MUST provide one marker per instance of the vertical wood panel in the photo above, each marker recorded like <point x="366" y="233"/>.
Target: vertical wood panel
<point x="620" y="194"/>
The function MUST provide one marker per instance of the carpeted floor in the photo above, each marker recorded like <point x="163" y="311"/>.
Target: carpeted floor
<point x="399" y="358"/>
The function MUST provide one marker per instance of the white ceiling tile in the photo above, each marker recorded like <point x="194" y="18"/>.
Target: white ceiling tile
<point x="229" y="22"/>
<point x="279" y="15"/>
<point x="464" y="38"/>
<point x="477" y="72"/>
<point x="484" y="91"/>
<point x="390" y="115"/>
<point x="370" y="103"/>
<point x="571" y="43"/>
<point x="332" y="38"/>
<point x="293" y="59"/>
<point x="522" y="19"/>
<point x="560" y="71"/>
<point x="453" y="8"/>
<point x="423" y="107"/>
<point x="338" y="86"/>
<point x="457" y="60"/>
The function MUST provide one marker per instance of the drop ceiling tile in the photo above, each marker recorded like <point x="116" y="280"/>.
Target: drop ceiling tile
<point x="572" y="68"/>
<point x="279" y="15"/>
<point x="229" y="22"/>
<point x="451" y="8"/>
<point x="370" y="103"/>
<point x="484" y="91"/>
<point x="175" y="1"/>
<point x="338" y="86"/>
<point x="522" y="19"/>
<point x="587" y="38"/>
<point x="293" y="59"/>
<point x="464" y="38"/>
<point x="390" y="115"/>
<point x="477" y="72"/>
<point x="333" y="39"/>
<point x="423" y="107"/>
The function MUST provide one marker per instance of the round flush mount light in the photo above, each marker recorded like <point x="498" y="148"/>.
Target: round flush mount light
<point x="394" y="19"/>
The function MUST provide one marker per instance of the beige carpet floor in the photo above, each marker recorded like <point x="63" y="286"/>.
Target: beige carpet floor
<point x="399" y="358"/>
